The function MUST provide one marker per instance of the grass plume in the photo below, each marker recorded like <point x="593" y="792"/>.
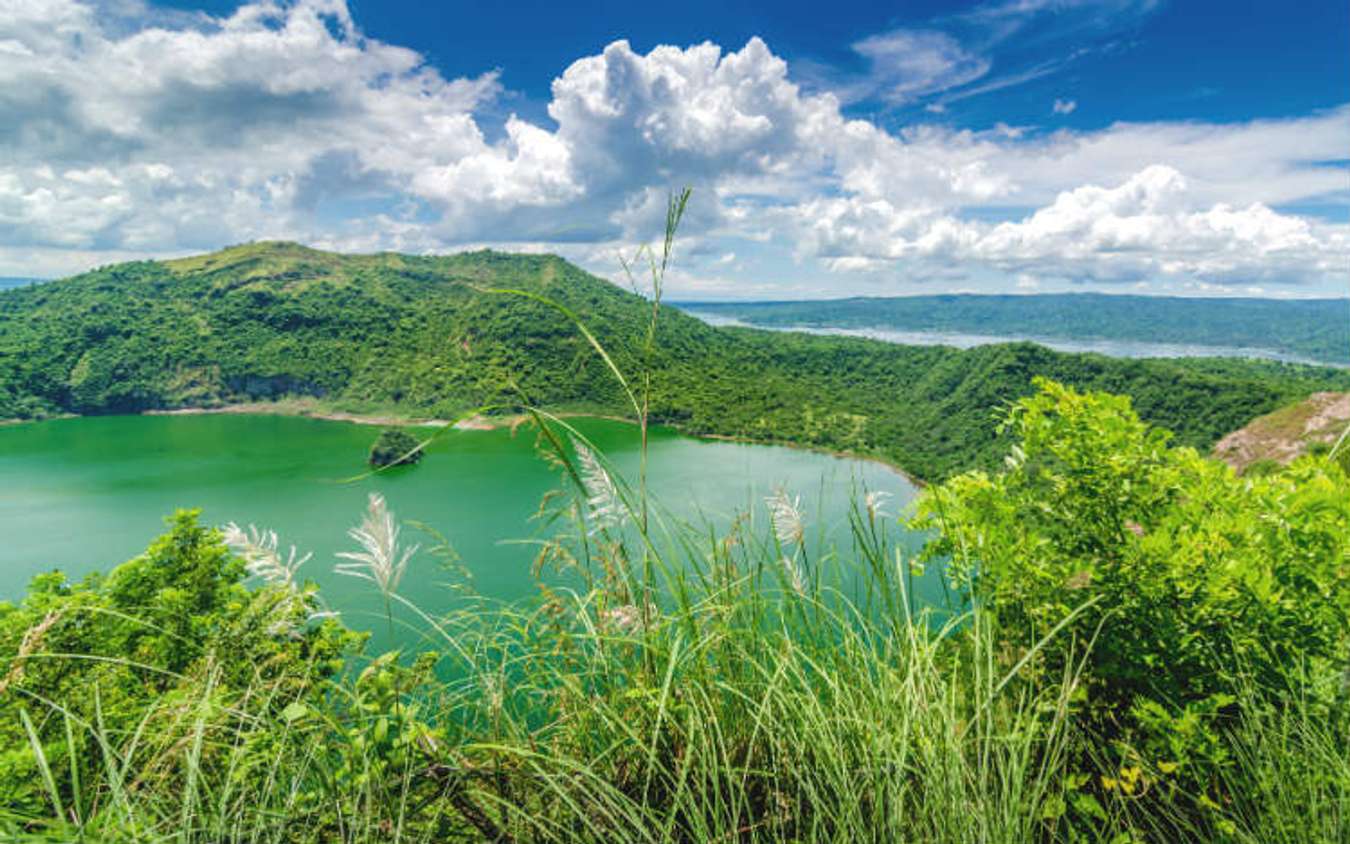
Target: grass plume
<point x="382" y="561"/>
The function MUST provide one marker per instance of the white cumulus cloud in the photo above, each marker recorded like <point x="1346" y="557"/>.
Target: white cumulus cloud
<point x="170" y="133"/>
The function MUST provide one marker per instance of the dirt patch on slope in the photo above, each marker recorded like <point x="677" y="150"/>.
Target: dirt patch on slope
<point x="1285" y="434"/>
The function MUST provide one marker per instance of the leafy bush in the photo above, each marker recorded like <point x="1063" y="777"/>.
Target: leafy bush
<point x="1180" y="587"/>
<point x="1262" y="468"/>
<point x="147" y="660"/>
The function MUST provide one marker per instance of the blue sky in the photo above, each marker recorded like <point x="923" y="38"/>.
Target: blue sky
<point x="1218" y="60"/>
<point x="1200" y="59"/>
<point x="1004" y="145"/>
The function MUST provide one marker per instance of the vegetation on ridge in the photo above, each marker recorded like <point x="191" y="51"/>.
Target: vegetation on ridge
<point x="1314" y="425"/>
<point x="419" y="335"/>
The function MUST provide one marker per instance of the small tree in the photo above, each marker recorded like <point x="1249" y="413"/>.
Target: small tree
<point x="395" y="447"/>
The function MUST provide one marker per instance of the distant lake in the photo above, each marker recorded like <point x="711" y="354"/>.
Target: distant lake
<point x="86" y="494"/>
<point x="1112" y="348"/>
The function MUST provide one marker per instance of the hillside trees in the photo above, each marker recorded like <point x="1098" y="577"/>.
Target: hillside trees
<point x="424" y="337"/>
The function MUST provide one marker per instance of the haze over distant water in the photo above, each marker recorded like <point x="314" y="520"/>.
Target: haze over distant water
<point x="1315" y="331"/>
<point x="1112" y="348"/>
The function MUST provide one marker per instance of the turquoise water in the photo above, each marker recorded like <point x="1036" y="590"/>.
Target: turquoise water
<point x="85" y="494"/>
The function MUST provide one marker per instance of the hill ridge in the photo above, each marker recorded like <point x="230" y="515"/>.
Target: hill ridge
<point x="416" y="335"/>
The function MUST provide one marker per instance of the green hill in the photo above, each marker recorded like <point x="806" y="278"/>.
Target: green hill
<point x="419" y="335"/>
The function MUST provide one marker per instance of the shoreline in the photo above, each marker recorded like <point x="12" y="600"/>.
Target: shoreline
<point x="477" y="422"/>
<point x="310" y="410"/>
<point x="832" y="452"/>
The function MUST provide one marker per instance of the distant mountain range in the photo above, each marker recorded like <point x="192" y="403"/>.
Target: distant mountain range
<point x="1294" y="329"/>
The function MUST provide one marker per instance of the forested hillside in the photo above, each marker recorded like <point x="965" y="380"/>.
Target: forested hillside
<point x="1315" y="329"/>
<point x="425" y="336"/>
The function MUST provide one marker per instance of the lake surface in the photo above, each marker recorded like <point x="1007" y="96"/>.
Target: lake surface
<point x="86" y="494"/>
<point x="1111" y="348"/>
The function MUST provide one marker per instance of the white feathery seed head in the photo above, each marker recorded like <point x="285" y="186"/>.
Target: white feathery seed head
<point x="604" y="506"/>
<point x="258" y="549"/>
<point x="627" y="617"/>
<point x="794" y="575"/>
<point x="876" y="504"/>
<point x="381" y="562"/>
<point x="787" y="517"/>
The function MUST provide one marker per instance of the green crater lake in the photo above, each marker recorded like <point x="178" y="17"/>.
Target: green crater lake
<point x="85" y="494"/>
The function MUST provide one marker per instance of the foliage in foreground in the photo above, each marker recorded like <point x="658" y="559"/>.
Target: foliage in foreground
<point x="1202" y="599"/>
<point x="130" y="682"/>
<point x="1153" y="651"/>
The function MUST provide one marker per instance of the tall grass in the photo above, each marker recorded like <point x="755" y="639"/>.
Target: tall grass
<point x="738" y="708"/>
<point x="733" y="709"/>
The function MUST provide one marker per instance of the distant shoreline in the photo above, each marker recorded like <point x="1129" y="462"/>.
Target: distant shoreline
<point x="918" y="483"/>
<point x="1119" y="348"/>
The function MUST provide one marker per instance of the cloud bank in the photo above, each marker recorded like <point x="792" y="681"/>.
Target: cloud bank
<point x="159" y="135"/>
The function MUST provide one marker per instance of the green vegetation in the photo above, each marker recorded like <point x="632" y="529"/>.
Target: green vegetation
<point x="422" y="336"/>
<point x="1153" y="651"/>
<point x="116" y="670"/>
<point x="395" y="447"/>
<point x="1175" y="589"/>
<point x="1314" y="329"/>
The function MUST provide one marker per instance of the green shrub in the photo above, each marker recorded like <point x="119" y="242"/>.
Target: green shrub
<point x="1338" y="454"/>
<point x="1262" y="468"/>
<point x="147" y="660"/>
<point x="1180" y="586"/>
